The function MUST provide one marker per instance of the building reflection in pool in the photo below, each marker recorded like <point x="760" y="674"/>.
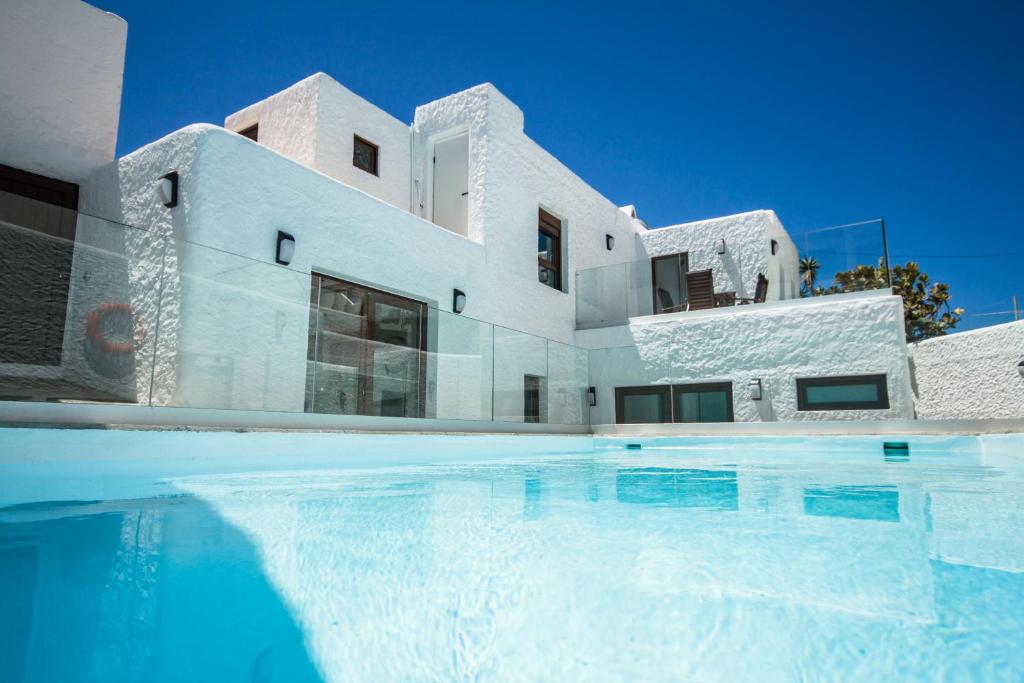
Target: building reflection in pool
<point x="707" y="489"/>
<point x="879" y="503"/>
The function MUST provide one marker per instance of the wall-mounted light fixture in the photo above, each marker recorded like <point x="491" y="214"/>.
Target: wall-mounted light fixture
<point x="167" y="189"/>
<point x="1020" y="368"/>
<point x="609" y="242"/>
<point x="285" y="248"/>
<point x="458" y="300"/>
<point x="754" y="389"/>
<point x="591" y="397"/>
<point x="720" y="246"/>
<point x="775" y="247"/>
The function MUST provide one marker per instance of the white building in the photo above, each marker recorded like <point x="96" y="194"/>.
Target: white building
<point x="316" y="254"/>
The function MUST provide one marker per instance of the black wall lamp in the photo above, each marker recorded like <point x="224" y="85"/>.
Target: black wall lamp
<point x="592" y="397"/>
<point x="458" y="300"/>
<point x="167" y="189"/>
<point x="285" y="248"/>
<point x="609" y="242"/>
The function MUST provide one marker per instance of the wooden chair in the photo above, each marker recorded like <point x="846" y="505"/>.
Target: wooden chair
<point x="700" y="290"/>
<point x="760" y="291"/>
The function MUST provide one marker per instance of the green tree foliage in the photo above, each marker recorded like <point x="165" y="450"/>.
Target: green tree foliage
<point x="926" y="309"/>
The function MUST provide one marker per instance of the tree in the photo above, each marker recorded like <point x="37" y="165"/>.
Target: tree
<point x="808" y="275"/>
<point x="926" y="309"/>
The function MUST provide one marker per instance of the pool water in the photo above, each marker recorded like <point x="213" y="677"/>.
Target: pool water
<point x="742" y="562"/>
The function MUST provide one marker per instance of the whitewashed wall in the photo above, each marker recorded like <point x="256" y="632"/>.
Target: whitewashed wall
<point x="314" y="121"/>
<point x="747" y="252"/>
<point x="970" y="375"/>
<point x="846" y="334"/>
<point x="61" y="66"/>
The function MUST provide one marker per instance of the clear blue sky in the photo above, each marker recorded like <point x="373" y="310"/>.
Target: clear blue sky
<point x="826" y="112"/>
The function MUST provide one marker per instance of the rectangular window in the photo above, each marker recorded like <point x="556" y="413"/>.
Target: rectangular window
<point x="703" y="402"/>
<point x="367" y="351"/>
<point x="859" y="392"/>
<point x="668" y="273"/>
<point x="642" y="405"/>
<point x="549" y="249"/>
<point x="365" y="155"/>
<point x="252" y="132"/>
<point x="531" y="398"/>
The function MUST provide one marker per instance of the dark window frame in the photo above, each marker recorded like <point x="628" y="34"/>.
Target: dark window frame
<point x="664" y="390"/>
<point x="879" y="380"/>
<point x="252" y="132"/>
<point x="358" y="140"/>
<point x="683" y="259"/>
<point x="551" y="226"/>
<point x="699" y="388"/>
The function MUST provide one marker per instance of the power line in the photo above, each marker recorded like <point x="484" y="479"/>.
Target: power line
<point x="1017" y="254"/>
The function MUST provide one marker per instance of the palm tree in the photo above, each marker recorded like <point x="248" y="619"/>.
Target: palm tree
<point x="808" y="274"/>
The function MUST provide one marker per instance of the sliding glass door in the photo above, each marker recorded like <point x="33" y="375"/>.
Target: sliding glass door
<point x="367" y="351"/>
<point x="668" y="274"/>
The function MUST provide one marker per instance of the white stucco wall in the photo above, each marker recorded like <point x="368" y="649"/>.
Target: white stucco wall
<point x="237" y="324"/>
<point x="747" y="252"/>
<point x="847" y="334"/>
<point x="511" y="177"/>
<point x="970" y="375"/>
<point x="313" y="122"/>
<point x="60" y="86"/>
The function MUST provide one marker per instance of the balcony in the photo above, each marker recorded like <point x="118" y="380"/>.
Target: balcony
<point x="816" y="263"/>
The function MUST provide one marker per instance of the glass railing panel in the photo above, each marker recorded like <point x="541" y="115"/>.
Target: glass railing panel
<point x="460" y="366"/>
<point x="567" y="383"/>
<point x="233" y="332"/>
<point x="845" y="258"/>
<point x="602" y="296"/>
<point x="78" y="299"/>
<point x="520" y="377"/>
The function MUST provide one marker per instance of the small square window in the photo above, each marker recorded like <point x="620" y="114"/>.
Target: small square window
<point x="365" y="155"/>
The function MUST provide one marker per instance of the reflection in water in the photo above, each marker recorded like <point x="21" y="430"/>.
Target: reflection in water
<point x="165" y="591"/>
<point x="880" y="503"/>
<point x="538" y="570"/>
<point x="709" y="489"/>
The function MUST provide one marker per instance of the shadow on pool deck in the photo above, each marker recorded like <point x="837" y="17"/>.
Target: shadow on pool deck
<point x="150" y="590"/>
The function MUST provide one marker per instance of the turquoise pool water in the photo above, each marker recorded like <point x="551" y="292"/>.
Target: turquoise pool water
<point x="746" y="561"/>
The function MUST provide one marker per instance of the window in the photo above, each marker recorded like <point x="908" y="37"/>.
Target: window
<point x="863" y="392"/>
<point x="531" y="398"/>
<point x="703" y="402"/>
<point x="38" y="219"/>
<point x="668" y="273"/>
<point x="365" y="155"/>
<point x="642" y="405"/>
<point x="549" y="250"/>
<point x="252" y="132"/>
<point x="367" y="352"/>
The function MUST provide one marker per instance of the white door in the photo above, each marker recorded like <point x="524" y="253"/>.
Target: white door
<point x="451" y="183"/>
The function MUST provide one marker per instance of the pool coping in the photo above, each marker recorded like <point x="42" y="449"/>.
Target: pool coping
<point x="125" y="416"/>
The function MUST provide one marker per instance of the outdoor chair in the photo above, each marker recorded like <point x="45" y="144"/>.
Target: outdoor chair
<point x="760" y="291"/>
<point x="700" y="289"/>
<point x="665" y="302"/>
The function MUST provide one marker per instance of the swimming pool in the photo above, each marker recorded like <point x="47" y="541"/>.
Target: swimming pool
<point x="716" y="559"/>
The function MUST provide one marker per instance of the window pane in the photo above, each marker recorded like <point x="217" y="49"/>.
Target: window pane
<point x="687" y="407"/>
<point x="545" y="246"/>
<point x="714" y="406"/>
<point x="644" y="408"/>
<point x="548" y="277"/>
<point x="669" y="292"/>
<point x="843" y="393"/>
<point x="364" y="156"/>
